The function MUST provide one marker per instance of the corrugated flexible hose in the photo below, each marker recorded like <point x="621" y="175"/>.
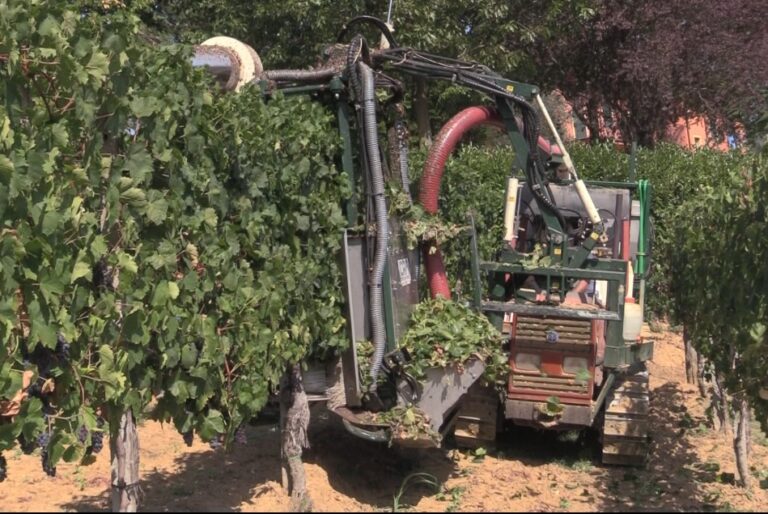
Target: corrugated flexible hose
<point x="382" y="225"/>
<point x="445" y="142"/>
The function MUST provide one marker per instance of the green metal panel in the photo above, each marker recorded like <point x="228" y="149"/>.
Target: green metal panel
<point x="561" y="272"/>
<point x="475" y="264"/>
<point x="603" y="393"/>
<point x="389" y="316"/>
<point x="347" y="164"/>
<point x="615" y="349"/>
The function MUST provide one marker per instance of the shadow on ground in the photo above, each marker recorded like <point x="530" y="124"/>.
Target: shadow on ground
<point x="210" y="481"/>
<point x="372" y="473"/>
<point x="673" y="477"/>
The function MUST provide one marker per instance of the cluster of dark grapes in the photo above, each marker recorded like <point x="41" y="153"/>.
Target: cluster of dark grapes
<point x="27" y="447"/>
<point x="44" y="441"/>
<point x="97" y="437"/>
<point x="3" y="468"/>
<point x="189" y="437"/>
<point x="45" y="359"/>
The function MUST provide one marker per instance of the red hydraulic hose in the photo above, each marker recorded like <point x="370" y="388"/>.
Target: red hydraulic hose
<point x="445" y="142"/>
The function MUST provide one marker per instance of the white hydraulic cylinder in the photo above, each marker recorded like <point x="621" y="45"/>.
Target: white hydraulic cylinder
<point x="586" y="200"/>
<point x="510" y="209"/>
<point x="581" y="189"/>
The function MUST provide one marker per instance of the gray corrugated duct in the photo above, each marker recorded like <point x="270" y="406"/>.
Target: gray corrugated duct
<point x="302" y="75"/>
<point x="382" y="224"/>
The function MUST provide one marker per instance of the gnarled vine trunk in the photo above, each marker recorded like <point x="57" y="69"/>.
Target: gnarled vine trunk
<point x="741" y="442"/>
<point x="124" y="453"/>
<point x="701" y="368"/>
<point x="294" y="425"/>
<point x="691" y="359"/>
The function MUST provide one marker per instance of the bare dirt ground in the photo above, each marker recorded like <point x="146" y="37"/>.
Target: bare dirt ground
<point x="691" y="467"/>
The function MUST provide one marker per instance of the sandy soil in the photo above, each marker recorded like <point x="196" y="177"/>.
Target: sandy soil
<point x="690" y="468"/>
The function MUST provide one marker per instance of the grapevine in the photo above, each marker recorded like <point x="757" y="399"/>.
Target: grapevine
<point x="156" y="235"/>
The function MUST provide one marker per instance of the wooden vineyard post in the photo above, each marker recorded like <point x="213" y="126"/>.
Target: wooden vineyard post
<point x="124" y="453"/>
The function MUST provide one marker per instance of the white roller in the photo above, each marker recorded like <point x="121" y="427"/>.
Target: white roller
<point x="510" y="208"/>
<point x="581" y="189"/>
<point x="250" y="66"/>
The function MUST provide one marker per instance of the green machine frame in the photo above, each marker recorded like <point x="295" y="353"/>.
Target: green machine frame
<point x="564" y="264"/>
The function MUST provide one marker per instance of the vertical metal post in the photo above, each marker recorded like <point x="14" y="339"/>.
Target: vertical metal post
<point x="389" y="315"/>
<point x="474" y="263"/>
<point x="615" y="348"/>
<point x="347" y="163"/>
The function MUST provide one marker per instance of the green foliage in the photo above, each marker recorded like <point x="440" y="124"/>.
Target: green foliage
<point x="675" y="175"/>
<point x="421" y="229"/>
<point x="474" y="182"/>
<point x="444" y="333"/>
<point x="552" y="407"/>
<point x="418" y="478"/>
<point x="183" y="242"/>
<point x="452" y="495"/>
<point x="292" y="32"/>
<point x="721" y="281"/>
<point x="500" y="34"/>
<point x="408" y="422"/>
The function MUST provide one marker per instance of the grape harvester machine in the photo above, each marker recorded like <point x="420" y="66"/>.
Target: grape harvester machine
<point x="565" y="286"/>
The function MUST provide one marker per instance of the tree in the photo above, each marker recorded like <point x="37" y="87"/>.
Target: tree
<point x="654" y="61"/>
<point x="292" y="33"/>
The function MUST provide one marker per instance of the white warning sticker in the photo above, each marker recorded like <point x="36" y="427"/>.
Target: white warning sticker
<point x="404" y="271"/>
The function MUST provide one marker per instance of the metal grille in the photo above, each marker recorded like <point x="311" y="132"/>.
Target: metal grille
<point x="535" y="331"/>
<point x="569" y="336"/>
<point x="539" y="383"/>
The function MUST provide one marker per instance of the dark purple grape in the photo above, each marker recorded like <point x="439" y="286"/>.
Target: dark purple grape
<point x="97" y="438"/>
<point x="189" y="437"/>
<point x="3" y="468"/>
<point x="62" y="348"/>
<point x="43" y="439"/>
<point x="35" y="391"/>
<point x="97" y="441"/>
<point x="216" y="442"/>
<point x="50" y="471"/>
<point x="27" y="447"/>
<point x="240" y="436"/>
<point x="82" y="434"/>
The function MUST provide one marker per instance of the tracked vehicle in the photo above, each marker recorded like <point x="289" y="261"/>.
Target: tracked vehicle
<point x="565" y="288"/>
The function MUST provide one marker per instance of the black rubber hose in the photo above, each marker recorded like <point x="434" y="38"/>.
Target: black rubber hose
<point x="380" y="24"/>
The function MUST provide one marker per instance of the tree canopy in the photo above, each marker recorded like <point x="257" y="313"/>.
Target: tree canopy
<point x="652" y="61"/>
